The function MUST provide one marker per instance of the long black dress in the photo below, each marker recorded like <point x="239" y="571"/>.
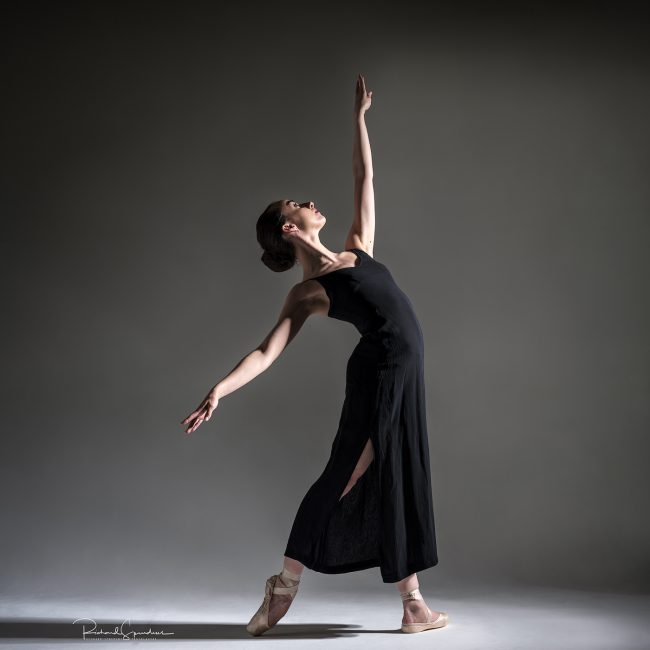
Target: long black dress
<point x="386" y="519"/>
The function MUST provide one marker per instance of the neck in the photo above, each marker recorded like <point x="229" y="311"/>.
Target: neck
<point x="312" y="256"/>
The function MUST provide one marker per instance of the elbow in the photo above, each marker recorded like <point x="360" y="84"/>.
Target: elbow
<point x="264" y="358"/>
<point x="362" y="173"/>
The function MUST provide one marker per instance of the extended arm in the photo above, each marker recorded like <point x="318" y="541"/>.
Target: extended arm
<point x="362" y="230"/>
<point x="294" y="312"/>
<point x="292" y="317"/>
<point x="361" y="154"/>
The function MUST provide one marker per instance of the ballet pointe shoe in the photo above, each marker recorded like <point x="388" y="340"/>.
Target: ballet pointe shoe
<point x="259" y="623"/>
<point x="430" y="624"/>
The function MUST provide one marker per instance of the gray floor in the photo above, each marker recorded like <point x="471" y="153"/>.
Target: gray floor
<point x="481" y="616"/>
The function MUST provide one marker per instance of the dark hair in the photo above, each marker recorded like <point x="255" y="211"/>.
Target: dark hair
<point x="279" y="254"/>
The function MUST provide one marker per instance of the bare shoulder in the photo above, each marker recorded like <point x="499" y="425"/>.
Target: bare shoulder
<point x="308" y="296"/>
<point x="353" y="240"/>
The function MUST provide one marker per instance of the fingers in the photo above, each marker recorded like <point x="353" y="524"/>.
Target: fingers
<point x="196" y="418"/>
<point x="197" y="423"/>
<point x="201" y="407"/>
<point x="201" y="414"/>
<point x="189" y="417"/>
<point x="361" y="86"/>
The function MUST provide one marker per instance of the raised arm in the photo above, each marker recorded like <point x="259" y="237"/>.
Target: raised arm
<point x="297" y="307"/>
<point x="362" y="230"/>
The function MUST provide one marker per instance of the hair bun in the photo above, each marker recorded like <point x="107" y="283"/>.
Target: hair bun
<point x="277" y="261"/>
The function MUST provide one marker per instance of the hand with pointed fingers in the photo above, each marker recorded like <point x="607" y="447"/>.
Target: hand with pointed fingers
<point x="362" y="98"/>
<point x="202" y="413"/>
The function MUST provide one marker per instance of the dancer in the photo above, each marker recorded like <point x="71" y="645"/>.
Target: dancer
<point x="372" y="504"/>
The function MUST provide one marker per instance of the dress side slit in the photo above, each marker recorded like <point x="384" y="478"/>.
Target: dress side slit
<point x="367" y="456"/>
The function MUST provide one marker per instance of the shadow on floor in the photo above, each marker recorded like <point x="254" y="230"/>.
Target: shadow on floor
<point x="91" y="629"/>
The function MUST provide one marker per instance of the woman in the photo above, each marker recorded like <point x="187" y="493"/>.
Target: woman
<point x="372" y="505"/>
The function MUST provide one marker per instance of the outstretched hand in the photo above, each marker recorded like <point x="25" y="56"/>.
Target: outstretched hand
<point x="362" y="98"/>
<point x="202" y="413"/>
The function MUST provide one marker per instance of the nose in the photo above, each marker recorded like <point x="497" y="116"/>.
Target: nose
<point x="309" y="204"/>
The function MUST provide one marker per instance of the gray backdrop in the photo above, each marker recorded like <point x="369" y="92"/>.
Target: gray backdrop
<point x="140" y="144"/>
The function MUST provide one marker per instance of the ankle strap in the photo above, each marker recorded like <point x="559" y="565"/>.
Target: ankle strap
<point x="286" y="590"/>
<point x="278" y="589"/>
<point x="411" y="595"/>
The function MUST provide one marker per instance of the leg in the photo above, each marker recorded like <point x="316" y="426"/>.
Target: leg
<point x="362" y="465"/>
<point x="408" y="584"/>
<point x="293" y="565"/>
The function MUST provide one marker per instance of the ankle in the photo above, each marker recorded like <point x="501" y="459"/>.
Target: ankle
<point x="411" y="595"/>
<point x="289" y="576"/>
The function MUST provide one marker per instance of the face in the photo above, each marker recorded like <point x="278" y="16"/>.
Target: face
<point x="301" y="216"/>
